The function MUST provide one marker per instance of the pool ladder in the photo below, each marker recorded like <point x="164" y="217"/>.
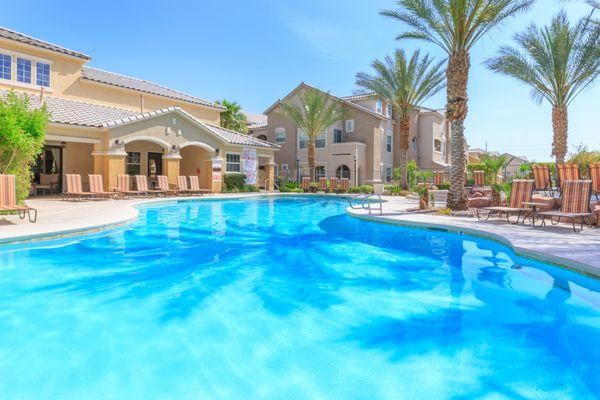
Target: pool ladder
<point x="366" y="202"/>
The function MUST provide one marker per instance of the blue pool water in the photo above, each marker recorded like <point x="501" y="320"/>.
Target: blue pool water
<point x="289" y="299"/>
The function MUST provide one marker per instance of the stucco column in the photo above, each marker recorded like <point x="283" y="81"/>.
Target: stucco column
<point x="375" y="173"/>
<point x="109" y="164"/>
<point x="217" y="174"/>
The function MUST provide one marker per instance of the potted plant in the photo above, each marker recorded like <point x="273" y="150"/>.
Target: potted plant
<point x="423" y="192"/>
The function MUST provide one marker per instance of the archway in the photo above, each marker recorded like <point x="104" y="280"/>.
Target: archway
<point x="196" y="160"/>
<point x="343" y="171"/>
<point x="145" y="156"/>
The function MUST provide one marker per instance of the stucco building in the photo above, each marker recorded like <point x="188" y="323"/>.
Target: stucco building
<point x="106" y="123"/>
<point x="362" y="147"/>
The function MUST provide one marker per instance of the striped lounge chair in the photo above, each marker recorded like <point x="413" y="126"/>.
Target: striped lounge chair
<point x="182" y="186"/>
<point x="575" y="204"/>
<point x="594" y="169"/>
<point x="479" y="177"/>
<point x="323" y="184"/>
<point x="8" y="199"/>
<point x="566" y="172"/>
<point x="344" y="185"/>
<point x="195" y="186"/>
<point x="541" y="176"/>
<point x="333" y="184"/>
<point x="124" y="186"/>
<point x="75" y="189"/>
<point x="438" y="178"/>
<point x="520" y="192"/>
<point x="97" y="187"/>
<point x="306" y="183"/>
<point x="141" y="183"/>
<point x="163" y="185"/>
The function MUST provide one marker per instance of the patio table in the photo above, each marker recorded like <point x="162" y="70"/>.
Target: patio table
<point x="534" y="211"/>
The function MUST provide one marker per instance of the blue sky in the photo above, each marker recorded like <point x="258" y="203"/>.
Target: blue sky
<point x="254" y="52"/>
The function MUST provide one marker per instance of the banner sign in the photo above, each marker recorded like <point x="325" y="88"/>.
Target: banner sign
<point x="217" y="165"/>
<point x="249" y="165"/>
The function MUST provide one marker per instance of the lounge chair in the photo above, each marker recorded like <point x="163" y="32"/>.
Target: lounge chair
<point x="124" y="186"/>
<point x="566" y="172"/>
<point x="594" y="169"/>
<point x="575" y="204"/>
<point x="182" y="186"/>
<point x="306" y="183"/>
<point x="438" y="178"/>
<point x="195" y="186"/>
<point x="541" y="176"/>
<point x="97" y="187"/>
<point x="74" y="189"/>
<point x="141" y="182"/>
<point x="8" y="199"/>
<point x="334" y="184"/>
<point x="344" y="185"/>
<point x="323" y="184"/>
<point x="520" y="192"/>
<point x="163" y="185"/>
<point x="479" y="178"/>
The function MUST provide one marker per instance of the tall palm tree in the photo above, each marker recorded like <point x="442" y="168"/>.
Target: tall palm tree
<point x="558" y="61"/>
<point x="233" y="118"/>
<point x="455" y="26"/>
<point x="316" y="112"/>
<point x="404" y="83"/>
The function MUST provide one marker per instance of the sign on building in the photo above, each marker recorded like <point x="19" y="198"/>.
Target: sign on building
<point x="249" y="165"/>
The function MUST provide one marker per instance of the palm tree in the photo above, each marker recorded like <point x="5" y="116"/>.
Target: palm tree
<point x="558" y="62"/>
<point x="455" y="26"/>
<point x="316" y="112"/>
<point x="405" y="84"/>
<point x="232" y="117"/>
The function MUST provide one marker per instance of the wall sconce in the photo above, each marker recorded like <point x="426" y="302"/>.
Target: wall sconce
<point x="217" y="151"/>
<point x="63" y="144"/>
<point x="178" y="132"/>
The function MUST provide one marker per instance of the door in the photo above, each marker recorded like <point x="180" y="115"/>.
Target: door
<point x="48" y="169"/>
<point x="154" y="165"/>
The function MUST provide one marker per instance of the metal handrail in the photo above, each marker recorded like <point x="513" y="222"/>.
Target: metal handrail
<point x="368" y="197"/>
<point x="357" y="197"/>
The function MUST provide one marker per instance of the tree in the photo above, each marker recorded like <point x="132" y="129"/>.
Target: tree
<point x="455" y="26"/>
<point x="405" y="84"/>
<point x="316" y="112"/>
<point x="558" y="61"/>
<point x="22" y="132"/>
<point x="233" y="118"/>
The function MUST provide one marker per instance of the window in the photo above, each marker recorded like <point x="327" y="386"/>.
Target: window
<point x="133" y="162"/>
<point x="319" y="172"/>
<point x="280" y="135"/>
<point x="321" y="140"/>
<point x="42" y="74"/>
<point x="337" y="136"/>
<point x="388" y="174"/>
<point x="437" y="145"/>
<point x="388" y="142"/>
<point x="233" y="163"/>
<point x="379" y="106"/>
<point x="23" y="70"/>
<point x="5" y="66"/>
<point x="262" y="137"/>
<point x="413" y="143"/>
<point x="303" y="140"/>
<point x="342" y="172"/>
<point x="389" y="110"/>
<point x="285" y="170"/>
<point x="443" y="147"/>
<point x="349" y="125"/>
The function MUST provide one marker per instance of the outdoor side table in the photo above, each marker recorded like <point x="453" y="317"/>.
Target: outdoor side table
<point x="597" y="212"/>
<point x="534" y="211"/>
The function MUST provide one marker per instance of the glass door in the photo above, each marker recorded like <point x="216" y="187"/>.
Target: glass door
<point x="48" y="169"/>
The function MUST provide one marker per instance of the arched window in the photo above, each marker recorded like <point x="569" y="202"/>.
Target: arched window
<point x="413" y="143"/>
<point x="342" y="172"/>
<point x="319" y="172"/>
<point x="280" y="135"/>
<point x="262" y="137"/>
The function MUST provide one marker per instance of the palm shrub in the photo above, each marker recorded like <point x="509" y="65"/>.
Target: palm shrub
<point x="492" y="166"/>
<point x="22" y="133"/>
<point x="405" y="83"/>
<point x="455" y="26"/>
<point x="233" y="118"/>
<point x="583" y="158"/>
<point x="558" y="61"/>
<point x="315" y="113"/>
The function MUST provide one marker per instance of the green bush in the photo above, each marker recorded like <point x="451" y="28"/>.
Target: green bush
<point x="251" y="188"/>
<point x="443" y="186"/>
<point x="393" y="189"/>
<point x="285" y="187"/>
<point x="234" y="182"/>
<point x="476" y="167"/>
<point x="583" y="157"/>
<point x="364" y="189"/>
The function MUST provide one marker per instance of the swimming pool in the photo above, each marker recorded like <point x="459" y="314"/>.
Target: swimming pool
<point x="289" y="298"/>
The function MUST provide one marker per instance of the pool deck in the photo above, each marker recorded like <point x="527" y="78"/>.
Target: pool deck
<point x="554" y="244"/>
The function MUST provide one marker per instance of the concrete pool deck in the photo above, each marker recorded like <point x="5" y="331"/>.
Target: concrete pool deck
<point x="554" y="244"/>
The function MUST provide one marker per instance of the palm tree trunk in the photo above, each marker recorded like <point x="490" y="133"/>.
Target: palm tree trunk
<point x="403" y="150"/>
<point x="560" y="126"/>
<point x="311" y="158"/>
<point x="456" y="112"/>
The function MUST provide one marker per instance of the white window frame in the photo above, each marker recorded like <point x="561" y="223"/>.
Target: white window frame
<point x="434" y="142"/>
<point x="389" y="142"/>
<point x="379" y="106"/>
<point x="31" y="66"/>
<point x="349" y="126"/>
<point x="34" y="60"/>
<point x="128" y="162"/>
<point x="280" y="131"/>
<point x="230" y="163"/>
<point x="388" y="111"/>
<point x="49" y="74"/>
<point x="300" y="135"/>
<point x="10" y="68"/>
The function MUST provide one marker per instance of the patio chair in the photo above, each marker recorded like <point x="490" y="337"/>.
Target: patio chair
<point x="141" y="183"/>
<point x="479" y="177"/>
<point x="438" y="178"/>
<point x="97" y="187"/>
<point x="344" y="185"/>
<point x="323" y="184"/>
<point x="541" y="176"/>
<point x="182" y="186"/>
<point x="163" y="185"/>
<point x="520" y="192"/>
<point x="124" y="186"/>
<point x="333" y="184"/>
<point x="594" y="169"/>
<point x="195" y="186"/>
<point x="306" y="183"/>
<point x="74" y="189"/>
<point x="575" y="204"/>
<point x="566" y="172"/>
<point x="8" y="199"/>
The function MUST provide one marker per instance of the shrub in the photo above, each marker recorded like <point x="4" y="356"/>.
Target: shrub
<point x="251" y="188"/>
<point x="364" y="189"/>
<point x="443" y="186"/>
<point x="234" y="181"/>
<point x="583" y="157"/>
<point x="22" y="132"/>
<point x="445" y="211"/>
<point x="289" y="187"/>
<point x="393" y="189"/>
<point x="476" y="167"/>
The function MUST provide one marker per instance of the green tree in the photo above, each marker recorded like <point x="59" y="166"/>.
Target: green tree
<point x="404" y="83"/>
<point x="232" y="117"/>
<point x="455" y="26"/>
<point x="22" y="132"/>
<point x="315" y="113"/>
<point x="558" y="61"/>
<point x="492" y="166"/>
